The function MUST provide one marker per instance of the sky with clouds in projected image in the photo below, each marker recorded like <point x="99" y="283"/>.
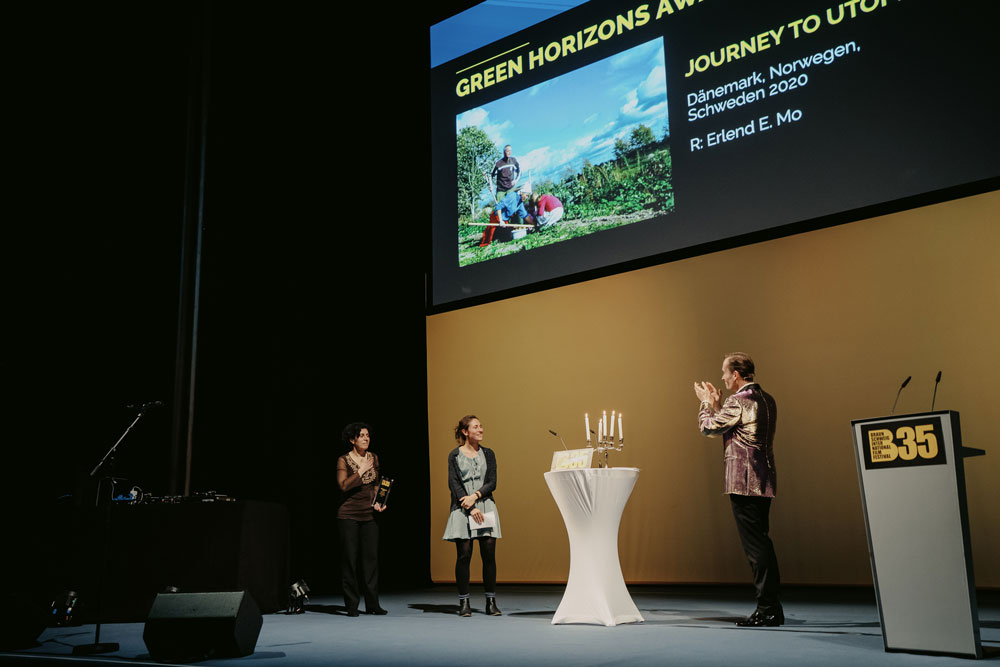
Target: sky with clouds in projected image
<point x="560" y="122"/>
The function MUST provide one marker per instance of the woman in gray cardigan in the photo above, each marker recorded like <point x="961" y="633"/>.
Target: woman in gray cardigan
<point x="472" y="478"/>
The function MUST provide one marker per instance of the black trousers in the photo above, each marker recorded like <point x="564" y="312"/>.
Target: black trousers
<point x="752" y="522"/>
<point x="359" y="551"/>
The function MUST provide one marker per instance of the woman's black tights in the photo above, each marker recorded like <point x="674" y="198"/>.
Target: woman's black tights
<point x="488" y="552"/>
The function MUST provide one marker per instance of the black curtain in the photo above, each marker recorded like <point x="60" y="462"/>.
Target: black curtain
<point x="312" y="284"/>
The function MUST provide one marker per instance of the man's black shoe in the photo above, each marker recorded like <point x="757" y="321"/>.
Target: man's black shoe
<point x="763" y="619"/>
<point x="464" y="609"/>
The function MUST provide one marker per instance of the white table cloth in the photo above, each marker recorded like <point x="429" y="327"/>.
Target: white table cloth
<point x="591" y="501"/>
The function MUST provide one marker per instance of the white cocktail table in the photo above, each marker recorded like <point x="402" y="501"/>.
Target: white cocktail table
<point x="591" y="501"/>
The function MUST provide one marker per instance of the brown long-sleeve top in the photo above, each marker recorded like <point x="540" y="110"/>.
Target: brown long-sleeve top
<point x="359" y="492"/>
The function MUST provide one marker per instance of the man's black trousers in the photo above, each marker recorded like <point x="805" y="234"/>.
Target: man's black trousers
<point x="751" y="514"/>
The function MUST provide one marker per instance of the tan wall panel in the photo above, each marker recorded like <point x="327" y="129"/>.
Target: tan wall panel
<point x="835" y="319"/>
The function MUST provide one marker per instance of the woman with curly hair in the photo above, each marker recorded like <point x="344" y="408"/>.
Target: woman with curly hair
<point x="358" y="479"/>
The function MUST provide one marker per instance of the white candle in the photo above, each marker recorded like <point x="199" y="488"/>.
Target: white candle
<point x="604" y="424"/>
<point x="612" y="426"/>
<point x="621" y="433"/>
<point x="586" y="423"/>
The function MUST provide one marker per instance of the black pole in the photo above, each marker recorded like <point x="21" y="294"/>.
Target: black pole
<point x="185" y="358"/>
<point x="106" y="647"/>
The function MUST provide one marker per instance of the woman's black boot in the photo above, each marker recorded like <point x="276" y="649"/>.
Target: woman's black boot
<point x="491" y="607"/>
<point x="463" y="607"/>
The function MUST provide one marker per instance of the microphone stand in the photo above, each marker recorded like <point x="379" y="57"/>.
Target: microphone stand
<point x="901" y="387"/>
<point x="934" y="397"/>
<point x="560" y="437"/>
<point x="111" y="452"/>
<point x="108" y="462"/>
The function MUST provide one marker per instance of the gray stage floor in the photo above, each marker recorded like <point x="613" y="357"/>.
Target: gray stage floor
<point x="684" y="625"/>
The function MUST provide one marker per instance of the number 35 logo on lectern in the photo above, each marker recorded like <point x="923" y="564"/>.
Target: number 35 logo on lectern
<point x="914" y="442"/>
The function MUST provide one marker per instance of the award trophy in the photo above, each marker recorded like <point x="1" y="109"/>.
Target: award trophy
<point x="384" y="486"/>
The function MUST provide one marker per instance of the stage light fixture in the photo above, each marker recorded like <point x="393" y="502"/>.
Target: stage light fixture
<point x="298" y="597"/>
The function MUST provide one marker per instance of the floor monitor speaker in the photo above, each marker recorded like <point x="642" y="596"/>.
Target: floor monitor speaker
<point x="193" y="626"/>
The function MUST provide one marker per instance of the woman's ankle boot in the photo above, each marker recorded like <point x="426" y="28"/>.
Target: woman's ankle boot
<point x="491" y="607"/>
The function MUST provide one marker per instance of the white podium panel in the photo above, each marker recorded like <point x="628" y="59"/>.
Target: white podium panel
<point x="912" y="479"/>
<point x="591" y="501"/>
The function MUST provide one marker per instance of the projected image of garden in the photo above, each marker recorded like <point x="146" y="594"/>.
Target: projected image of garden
<point x="579" y="154"/>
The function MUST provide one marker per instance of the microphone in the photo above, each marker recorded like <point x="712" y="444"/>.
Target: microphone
<point x="145" y="406"/>
<point x="560" y="437"/>
<point x="905" y="382"/>
<point x="936" y="381"/>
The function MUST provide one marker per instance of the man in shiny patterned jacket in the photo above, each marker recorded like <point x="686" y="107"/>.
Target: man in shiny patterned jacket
<point x="746" y="421"/>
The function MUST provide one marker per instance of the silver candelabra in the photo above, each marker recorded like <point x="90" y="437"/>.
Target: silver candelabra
<point x="606" y="441"/>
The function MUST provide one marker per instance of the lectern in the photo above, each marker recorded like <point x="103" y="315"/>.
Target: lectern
<point x="912" y="476"/>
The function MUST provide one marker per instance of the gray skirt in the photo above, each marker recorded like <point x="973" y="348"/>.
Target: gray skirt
<point x="457" y="527"/>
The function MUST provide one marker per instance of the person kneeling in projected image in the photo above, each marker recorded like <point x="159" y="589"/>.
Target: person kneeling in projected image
<point x="548" y="209"/>
<point x="472" y="478"/>
<point x="510" y="210"/>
